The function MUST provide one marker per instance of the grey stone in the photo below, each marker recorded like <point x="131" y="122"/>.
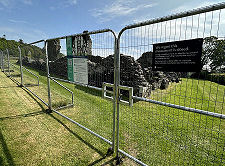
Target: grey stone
<point x="53" y="49"/>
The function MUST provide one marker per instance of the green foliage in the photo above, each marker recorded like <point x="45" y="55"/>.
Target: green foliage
<point x="12" y="45"/>
<point x="214" y="53"/>
<point x="214" y="77"/>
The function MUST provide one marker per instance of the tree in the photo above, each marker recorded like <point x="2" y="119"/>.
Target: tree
<point x="213" y="53"/>
<point x="21" y="41"/>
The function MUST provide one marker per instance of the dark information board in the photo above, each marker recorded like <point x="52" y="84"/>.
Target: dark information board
<point x="178" y="56"/>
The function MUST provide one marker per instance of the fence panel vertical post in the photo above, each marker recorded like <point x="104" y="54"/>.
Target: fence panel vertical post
<point x="117" y="82"/>
<point x="48" y="77"/>
<point x="115" y="95"/>
<point x="21" y="69"/>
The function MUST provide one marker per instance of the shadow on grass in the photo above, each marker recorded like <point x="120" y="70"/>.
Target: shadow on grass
<point x="103" y="156"/>
<point x="6" y="151"/>
<point x="28" y="114"/>
<point x="110" y="162"/>
<point x="15" y="75"/>
<point x="5" y="148"/>
<point x="89" y="90"/>
<point x="76" y="135"/>
<point x="35" y="99"/>
<point x="22" y="115"/>
<point x="1" y="161"/>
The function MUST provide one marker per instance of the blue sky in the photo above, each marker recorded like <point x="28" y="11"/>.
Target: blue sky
<point x="33" y="20"/>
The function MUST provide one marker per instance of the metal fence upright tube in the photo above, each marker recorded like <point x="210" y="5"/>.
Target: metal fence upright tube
<point x="115" y="95"/>
<point x="21" y="66"/>
<point x="117" y="83"/>
<point x="48" y="77"/>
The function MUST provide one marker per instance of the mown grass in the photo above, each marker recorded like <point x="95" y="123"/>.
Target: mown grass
<point x="30" y="137"/>
<point x="159" y="135"/>
<point x="156" y="135"/>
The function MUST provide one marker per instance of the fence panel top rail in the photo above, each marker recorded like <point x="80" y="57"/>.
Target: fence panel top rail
<point x="176" y="16"/>
<point x="86" y="33"/>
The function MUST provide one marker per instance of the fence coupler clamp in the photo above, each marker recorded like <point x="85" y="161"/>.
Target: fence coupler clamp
<point x="119" y="160"/>
<point x="48" y="111"/>
<point x="109" y="152"/>
<point x="129" y="102"/>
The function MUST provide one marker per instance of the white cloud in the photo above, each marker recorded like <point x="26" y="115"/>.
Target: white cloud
<point x="27" y="2"/>
<point x="119" y="8"/>
<point x="184" y="8"/>
<point x="63" y="4"/>
<point x="18" y="21"/>
<point x="13" y="3"/>
<point x="72" y="2"/>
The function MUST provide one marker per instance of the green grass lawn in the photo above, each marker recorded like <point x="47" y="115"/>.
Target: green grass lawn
<point x="166" y="136"/>
<point x="28" y="136"/>
<point x="156" y="135"/>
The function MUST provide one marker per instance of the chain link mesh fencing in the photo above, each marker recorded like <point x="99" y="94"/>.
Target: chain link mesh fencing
<point x="156" y="134"/>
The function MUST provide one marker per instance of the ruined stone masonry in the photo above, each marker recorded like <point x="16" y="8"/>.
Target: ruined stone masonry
<point x="134" y="73"/>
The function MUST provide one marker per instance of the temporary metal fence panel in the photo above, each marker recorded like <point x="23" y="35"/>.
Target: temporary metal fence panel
<point x="6" y="66"/>
<point x="29" y="58"/>
<point x="82" y="63"/>
<point x="60" y="96"/>
<point x="1" y="59"/>
<point x="37" y="79"/>
<point x="177" y="117"/>
<point x="14" y="68"/>
<point x="5" y="61"/>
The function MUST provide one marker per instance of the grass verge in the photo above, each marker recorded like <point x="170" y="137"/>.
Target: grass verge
<point x="156" y="135"/>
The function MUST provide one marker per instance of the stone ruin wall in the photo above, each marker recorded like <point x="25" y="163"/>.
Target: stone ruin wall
<point x="53" y="49"/>
<point x="134" y="73"/>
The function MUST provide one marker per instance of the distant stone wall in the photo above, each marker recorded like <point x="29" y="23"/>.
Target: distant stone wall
<point x="82" y="45"/>
<point x="53" y="49"/>
<point x="158" y="79"/>
<point x="87" y="44"/>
